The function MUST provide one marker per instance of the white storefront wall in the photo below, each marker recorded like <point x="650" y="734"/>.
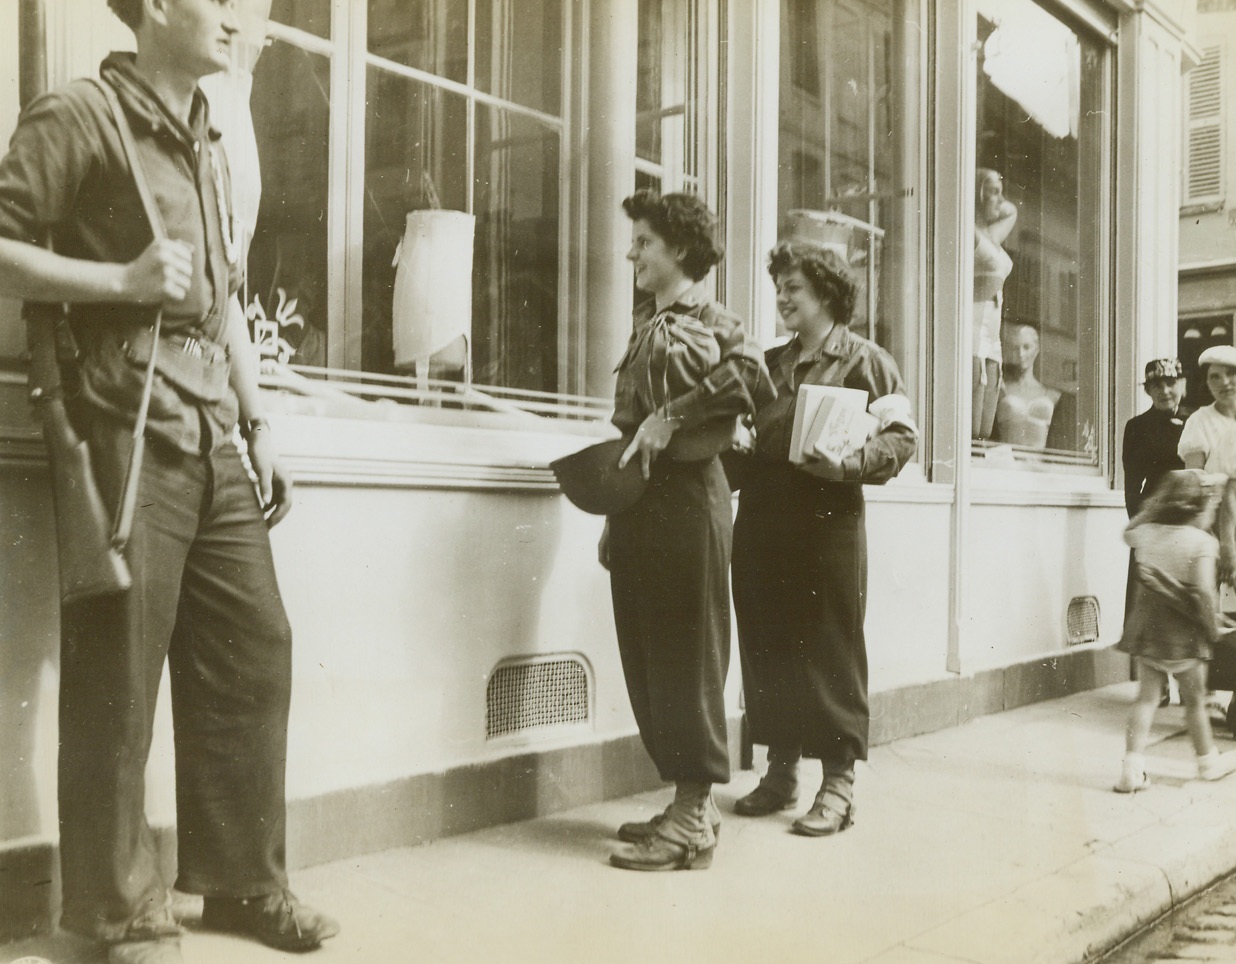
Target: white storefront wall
<point x="425" y="550"/>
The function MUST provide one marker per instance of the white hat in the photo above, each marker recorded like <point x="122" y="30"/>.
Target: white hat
<point x="1218" y="355"/>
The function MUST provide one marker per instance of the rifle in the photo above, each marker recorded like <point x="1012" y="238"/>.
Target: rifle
<point x="90" y="549"/>
<point x="89" y="564"/>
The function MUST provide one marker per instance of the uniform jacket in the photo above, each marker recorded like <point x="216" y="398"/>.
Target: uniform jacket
<point x="66" y="181"/>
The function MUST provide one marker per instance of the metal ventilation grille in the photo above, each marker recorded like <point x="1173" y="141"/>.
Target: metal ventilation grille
<point x="1083" y="620"/>
<point x="536" y="693"/>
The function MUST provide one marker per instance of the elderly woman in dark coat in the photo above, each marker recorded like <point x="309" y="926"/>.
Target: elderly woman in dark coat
<point x="800" y="547"/>
<point x="688" y="372"/>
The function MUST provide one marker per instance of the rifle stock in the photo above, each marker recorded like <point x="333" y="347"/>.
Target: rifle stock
<point x="89" y="566"/>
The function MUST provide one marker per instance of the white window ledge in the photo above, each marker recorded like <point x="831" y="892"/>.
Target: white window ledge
<point x="360" y="430"/>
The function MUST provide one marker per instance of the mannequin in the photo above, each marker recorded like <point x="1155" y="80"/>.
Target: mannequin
<point x="1026" y="405"/>
<point x="994" y="217"/>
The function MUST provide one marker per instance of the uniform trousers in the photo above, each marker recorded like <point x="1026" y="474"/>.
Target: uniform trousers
<point x="668" y="558"/>
<point x="204" y="599"/>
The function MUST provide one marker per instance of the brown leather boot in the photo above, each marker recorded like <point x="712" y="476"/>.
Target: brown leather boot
<point x="833" y="809"/>
<point x="635" y="831"/>
<point x="777" y="791"/>
<point x="684" y="839"/>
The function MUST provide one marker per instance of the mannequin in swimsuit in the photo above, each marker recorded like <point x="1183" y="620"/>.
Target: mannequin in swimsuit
<point x="1023" y="415"/>
<point x="994" y="217"/>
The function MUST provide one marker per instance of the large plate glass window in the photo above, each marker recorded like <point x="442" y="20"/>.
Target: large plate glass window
<point x="849" y="155"/>
<point x="463" y="125"/>
<point x="12" y="332"/>
<point x="288" y="264"/>
<point x="680" y="116"/>
<point x="464" y="115"/>
<point x="1042" y="94"/>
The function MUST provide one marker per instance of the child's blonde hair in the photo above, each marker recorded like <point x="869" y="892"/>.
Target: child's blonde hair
<point x="1179" y="498"/>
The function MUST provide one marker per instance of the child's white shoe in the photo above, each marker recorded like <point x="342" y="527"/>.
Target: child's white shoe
<point x="1215" y="765"/>
<point x="1133" y="775"/>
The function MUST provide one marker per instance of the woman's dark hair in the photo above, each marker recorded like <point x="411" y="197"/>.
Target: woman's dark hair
<point x="1178" y="499"/>
<point x="825" y="270"/>
<point x="129" y="11"/>
<point x="1023" y="323"/>
<point x="684" y="222"/>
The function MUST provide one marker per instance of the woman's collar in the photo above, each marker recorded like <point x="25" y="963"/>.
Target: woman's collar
<point x="691" y="297"/>
<point x="831" y="345"/>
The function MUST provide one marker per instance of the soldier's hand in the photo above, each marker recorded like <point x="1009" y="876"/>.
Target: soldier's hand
<point x="160" y="274"/>
<point x="274" y="483"/>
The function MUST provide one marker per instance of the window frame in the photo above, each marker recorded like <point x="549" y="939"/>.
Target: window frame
<point x="350" y="62"/>
<point x="1028" y="467"/>
<point x="763" y="111"/>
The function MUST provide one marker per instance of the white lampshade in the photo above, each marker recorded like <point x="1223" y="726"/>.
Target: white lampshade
<point x="433" y="284"/>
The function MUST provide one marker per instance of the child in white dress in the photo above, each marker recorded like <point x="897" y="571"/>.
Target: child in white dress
<point x="1173" y="622"/>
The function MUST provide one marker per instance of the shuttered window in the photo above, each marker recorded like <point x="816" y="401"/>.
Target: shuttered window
<point x="1204" y="131"/>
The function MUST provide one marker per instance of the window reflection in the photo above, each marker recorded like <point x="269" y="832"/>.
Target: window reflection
<point x="429" y="148"/>
<point x="679" y="104"/>
<point x="847" y="153"/>
<point x="1041" y="90"/>
<point x="12" y="332"/>
<point x="430" y="35"/>
<point x="311" y="16"/>
<point x="287" y="266"/>
<point x="518" y="46"/>
<point x="515" y="269"/>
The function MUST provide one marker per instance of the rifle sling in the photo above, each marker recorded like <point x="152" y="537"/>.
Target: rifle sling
<point x="128" y="497"/>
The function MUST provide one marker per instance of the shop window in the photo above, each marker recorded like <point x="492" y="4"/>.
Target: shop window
<point x="1042" y="92"/>
<point x="679" y="118"/>
<point x="849" y="161"/>
<point x="489" y="145"/>
<point x="12" y="331"/>
<point x="680" y="121"/>
<point x="286" y="282"/>
<point x="311" y="16"/>
<point x="458" y="120"/>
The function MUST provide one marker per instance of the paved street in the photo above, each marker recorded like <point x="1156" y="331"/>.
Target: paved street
<point x="1202" y="930"/>
<point x="998" y="841"/>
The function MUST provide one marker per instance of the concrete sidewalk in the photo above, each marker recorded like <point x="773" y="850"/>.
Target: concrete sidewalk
<point x="998" y="841"/>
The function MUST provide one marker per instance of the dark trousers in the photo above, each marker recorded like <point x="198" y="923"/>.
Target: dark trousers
<point x="204" y="599"/>
<point x="668" y="556"/>
<point x="800" y="589"/>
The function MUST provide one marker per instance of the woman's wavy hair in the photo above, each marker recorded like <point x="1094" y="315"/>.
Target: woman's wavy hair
<point x="981" y="176"/>
<point x="684" y="222"/>
<point x="129" y="11"/>
<point x="825" y="270"/>
<point x="1179" y="498"/>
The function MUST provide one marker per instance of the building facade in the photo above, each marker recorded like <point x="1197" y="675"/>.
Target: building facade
<point x="455" y="654"/>
<point x="1208" y="187"/>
